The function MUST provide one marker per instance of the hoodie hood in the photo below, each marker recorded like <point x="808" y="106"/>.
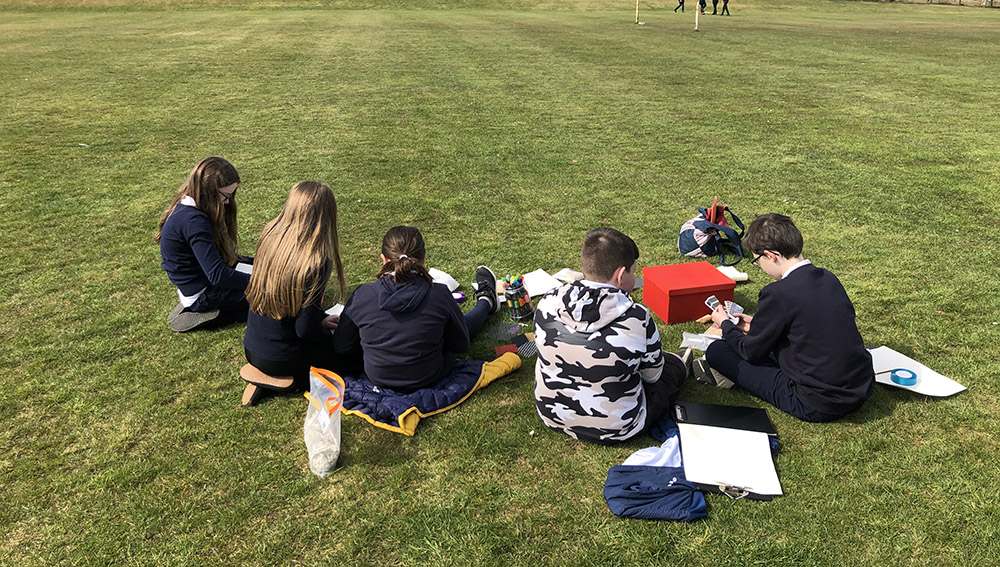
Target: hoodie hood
<point x="586" y="306"/>
<point x="401" y="298"/>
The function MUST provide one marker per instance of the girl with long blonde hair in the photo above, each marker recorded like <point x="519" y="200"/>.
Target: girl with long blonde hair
<point x="287" y="330"/>
<point x="197" y="236"/>
<point x="410" y="329"/>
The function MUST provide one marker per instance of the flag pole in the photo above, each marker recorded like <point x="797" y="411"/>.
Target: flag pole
<point x="637" y="11"/>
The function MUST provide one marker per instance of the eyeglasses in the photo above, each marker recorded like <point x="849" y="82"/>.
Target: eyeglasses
<point x="756" y="261"/>
<point x="227" y="197"/>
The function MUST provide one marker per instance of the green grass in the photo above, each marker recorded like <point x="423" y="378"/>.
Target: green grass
<point x="504" y="134"/>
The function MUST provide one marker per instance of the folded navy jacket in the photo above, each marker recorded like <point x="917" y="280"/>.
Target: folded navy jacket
<point x="653" y="493"/>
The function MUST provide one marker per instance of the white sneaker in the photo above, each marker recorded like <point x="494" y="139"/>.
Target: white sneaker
<point x="733" y="274"/>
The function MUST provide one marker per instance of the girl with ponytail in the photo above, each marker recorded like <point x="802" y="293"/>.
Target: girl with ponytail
<point x="409" y="328"/>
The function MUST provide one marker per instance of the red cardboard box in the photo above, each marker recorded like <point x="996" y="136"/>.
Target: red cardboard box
<point x="677" y="292"/>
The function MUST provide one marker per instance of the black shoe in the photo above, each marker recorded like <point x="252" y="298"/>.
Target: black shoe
<point x="185" y="321"/>
<point x="174" y="313"/>
<point x="486" y="287"/>
<point x="708" y="375"/>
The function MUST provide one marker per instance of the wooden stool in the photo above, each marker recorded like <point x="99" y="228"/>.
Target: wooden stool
<point x="251" y="374"/>
<point x="251" y="395"/>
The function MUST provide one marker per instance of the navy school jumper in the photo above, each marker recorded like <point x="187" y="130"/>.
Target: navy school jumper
<point x="190" y="257"/>
<point x="805" y="323"/>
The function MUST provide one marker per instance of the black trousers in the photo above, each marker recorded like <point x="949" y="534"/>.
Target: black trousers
<point x="232" y="303"/>
<point x="321" y="356"/>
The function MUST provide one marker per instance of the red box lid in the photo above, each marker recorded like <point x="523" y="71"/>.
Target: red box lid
<point x="685" y="278"/>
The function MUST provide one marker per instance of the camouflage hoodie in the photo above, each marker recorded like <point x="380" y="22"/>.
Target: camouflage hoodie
<point x="595" y="348"/>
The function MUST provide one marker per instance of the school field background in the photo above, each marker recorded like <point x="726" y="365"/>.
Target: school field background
<point x="504" y="129"/>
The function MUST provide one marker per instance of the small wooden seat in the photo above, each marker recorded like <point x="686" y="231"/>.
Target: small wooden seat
<point x="251" y="395"/>
<point x="251" y="374"/>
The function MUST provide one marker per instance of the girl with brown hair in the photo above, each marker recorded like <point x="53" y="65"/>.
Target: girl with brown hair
<point x="409" y="328"/>
<point x="197" y="236"/>
<point x="288" y="331"/>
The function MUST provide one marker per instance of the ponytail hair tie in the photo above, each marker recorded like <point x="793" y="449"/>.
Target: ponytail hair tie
<point x="401" y="256"/>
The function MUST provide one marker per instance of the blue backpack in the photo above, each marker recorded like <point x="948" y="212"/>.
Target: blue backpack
<point x="709" y="234"/>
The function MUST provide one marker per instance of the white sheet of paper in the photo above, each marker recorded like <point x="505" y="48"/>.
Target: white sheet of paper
<point x="443" y="277"/>
<point x="929" y="383"/>
<point x="335" y="310"/>
<point x="734" y="457"/>
<point x="539" y="282"/>
<point x="245" y="268"/>
<point x="699" y="342"/>
<point x="567" y="275"/>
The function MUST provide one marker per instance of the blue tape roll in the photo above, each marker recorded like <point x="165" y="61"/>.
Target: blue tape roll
<point x="904" y="377"/>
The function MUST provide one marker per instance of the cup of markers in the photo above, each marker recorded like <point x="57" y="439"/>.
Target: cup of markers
<point x="518" y="302"/>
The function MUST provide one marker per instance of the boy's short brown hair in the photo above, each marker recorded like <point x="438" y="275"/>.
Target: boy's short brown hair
<point x="604" y="251"/>
<point x="774" y="232"/>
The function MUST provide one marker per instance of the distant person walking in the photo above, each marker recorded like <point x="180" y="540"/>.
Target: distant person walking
<point x="680" y="4"/>
<point x="701" y="6"/>
<point x="725" y="8"/>
<point x="715" y="4"/>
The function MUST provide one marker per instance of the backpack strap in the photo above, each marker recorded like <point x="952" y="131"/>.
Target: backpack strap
<point x="736" y="220"/>
<point x="732" y="243"/>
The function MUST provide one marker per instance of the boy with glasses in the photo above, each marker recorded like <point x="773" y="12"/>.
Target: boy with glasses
<point x="802" y="351"/>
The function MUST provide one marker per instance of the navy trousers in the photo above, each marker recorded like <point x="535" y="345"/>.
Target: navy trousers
<point x="766" y="381"/>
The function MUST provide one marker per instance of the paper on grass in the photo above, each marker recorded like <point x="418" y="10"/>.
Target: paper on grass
<point x="929" y="383"/>
<point x="443" y="277"/>
<point x="698" y="342"/>
<point x="243" y="267"/>
<point x="539" y="282"/>
<point x="567" y="275"/>
<point x="733" y="457"/>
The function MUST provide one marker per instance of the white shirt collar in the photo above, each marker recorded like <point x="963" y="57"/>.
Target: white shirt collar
<point x="597" y="284"/>
<point x="794" y="267"/>
<point x="188" y="200"/>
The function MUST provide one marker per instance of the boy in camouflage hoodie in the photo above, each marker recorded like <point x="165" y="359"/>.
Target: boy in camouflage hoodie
<point x="601" y="375"/>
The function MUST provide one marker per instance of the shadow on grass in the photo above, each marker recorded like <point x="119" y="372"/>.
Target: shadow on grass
<point x="884" y="399"/>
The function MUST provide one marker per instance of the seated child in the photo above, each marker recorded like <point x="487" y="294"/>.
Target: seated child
<point x="802" y="351"/>
<point x="287" y="329"/>
<point x="408" y="328"/>
<point x="197" y="236"/>
<point x="601" y="375"/>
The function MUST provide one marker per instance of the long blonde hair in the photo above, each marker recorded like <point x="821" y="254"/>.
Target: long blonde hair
<point x="202" y="185"/>
<point x="296" y="253"/>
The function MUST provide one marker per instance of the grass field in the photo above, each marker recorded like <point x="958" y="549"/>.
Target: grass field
<point x="504" y="130"/>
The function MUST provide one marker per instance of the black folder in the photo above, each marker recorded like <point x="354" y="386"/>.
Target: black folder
<point x="733" y="417"/>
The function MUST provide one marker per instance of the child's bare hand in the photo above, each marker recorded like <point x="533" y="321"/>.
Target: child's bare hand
<point x="744" y="324"/>
<point x="719" y="315"/>
<point x="330" y="322"/>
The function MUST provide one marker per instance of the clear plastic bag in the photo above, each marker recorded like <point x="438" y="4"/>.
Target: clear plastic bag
<point x="322" y="425"/>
